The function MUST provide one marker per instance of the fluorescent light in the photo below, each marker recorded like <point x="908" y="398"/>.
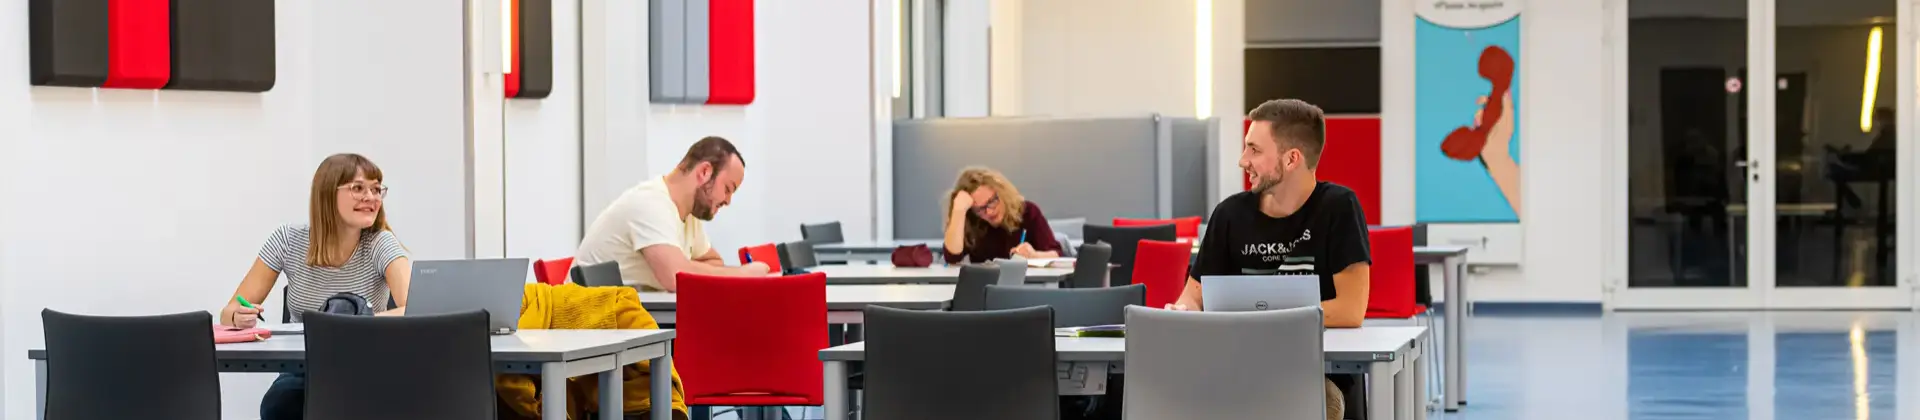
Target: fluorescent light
<point x="1872" y="85"/>
<point x="506" y="36"/>
<point x="1203" y="58"/>
<point x="899" y="47"/>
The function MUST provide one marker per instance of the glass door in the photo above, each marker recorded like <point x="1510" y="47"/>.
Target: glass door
<point x="1761" y="153"/>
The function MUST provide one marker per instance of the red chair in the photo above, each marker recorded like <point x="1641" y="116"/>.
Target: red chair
<point x="1390" y="290"/>
<point x="552" y="272"/>
<point x="764" y="253"/>
<point x="1162" y="266"/>
<point x="1184" y="227"/>
<point x="751" y="341"/>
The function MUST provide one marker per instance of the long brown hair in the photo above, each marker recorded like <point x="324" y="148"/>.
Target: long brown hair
<point x="1012" y="204"/>
<point x="323" y="213"/>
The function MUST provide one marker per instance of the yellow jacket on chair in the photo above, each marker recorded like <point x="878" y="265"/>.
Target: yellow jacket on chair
<point x="570" y="306"/>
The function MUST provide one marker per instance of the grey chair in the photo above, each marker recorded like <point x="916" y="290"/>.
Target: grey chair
<point x="1090" y="268"/>
<point x="1125" y="241"/>
<point x="1225" y="365"/>
<point x="596" y="275"/>
<point x="1066" y="249"/>
<point x="960" y="365"/>
<point x="822" y="233"/>
<point x="797" y="255"/>
<point x="970" y="291"/>
<point x="1013" y="272"/>
<point x="425" y="366"/>
<point x="91" y="376"/>
<point x="1072" y="307"/>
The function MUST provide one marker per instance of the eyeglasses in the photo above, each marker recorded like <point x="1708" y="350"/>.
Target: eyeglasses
<point x="365" y="190"/>
<point x="989" y="205"/>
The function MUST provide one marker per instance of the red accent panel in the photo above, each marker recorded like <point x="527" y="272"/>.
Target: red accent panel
<point x="730" y="52"/>
<point x="513" y="77"/>
<point x="1352" y="158"/>
<point x="1246" y="179"/>
<point x="139" y="38"/>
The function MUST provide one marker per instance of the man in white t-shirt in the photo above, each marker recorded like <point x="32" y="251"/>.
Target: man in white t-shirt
<point x="654" y="229"/>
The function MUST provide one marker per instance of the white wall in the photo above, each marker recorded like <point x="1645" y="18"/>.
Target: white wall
<point x="142" y="202"/>
<point x="807" y="138"/>
<point x="543" y="153"/>
<point x="1562" y="126"/>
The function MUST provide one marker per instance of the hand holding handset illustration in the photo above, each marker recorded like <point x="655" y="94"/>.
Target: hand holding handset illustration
<point x="1467" y="142"/>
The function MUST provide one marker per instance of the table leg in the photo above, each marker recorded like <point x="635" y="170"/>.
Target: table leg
<point x="1466" y="317"/>
<point x="1456" y="305"/>
<point x="1380" y="387"/>
<point x="662" y="385"/>
<point x="1419" y="391"/>
<point x="612" y="398"/>
<point x="553" y="390"/>
<point x="835" y="373"/>
<point x="40" y="389"/>
<point x="1405" y="406"/>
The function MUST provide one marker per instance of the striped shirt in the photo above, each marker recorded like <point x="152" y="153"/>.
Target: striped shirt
<point x="308" y="287"/>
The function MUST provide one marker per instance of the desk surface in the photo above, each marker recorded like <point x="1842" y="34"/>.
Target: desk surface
<point x="938" y="274"/>
<point x="846" y="297"/>
<point x="877" y="246"/>
<point x="1370" y="344"/>
<point x="522" y="346"/>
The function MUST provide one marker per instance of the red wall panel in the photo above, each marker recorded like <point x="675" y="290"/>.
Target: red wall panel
<point x="139" y="39"/>
<point x="1351" y="158"/>
<point x="730" y="51"/>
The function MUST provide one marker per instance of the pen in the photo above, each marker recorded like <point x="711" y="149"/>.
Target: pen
<point x="1023" y="236"/>
<point x="244" y="302"/>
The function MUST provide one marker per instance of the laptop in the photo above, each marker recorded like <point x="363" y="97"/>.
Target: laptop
<point x="453" y="286"/>
<point x="1257" y="293"/>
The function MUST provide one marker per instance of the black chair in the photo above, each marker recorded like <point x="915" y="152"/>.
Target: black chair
<point x="917" y="365"/>
<point x="90" y="374"/>
<point x="823" y="233"/>
<point x="1090" y="268"/>
<point x="970" y="291"/>
<point x="797" y="255"/>
<point x="595" y="275"/>
<point x="412" y="367"/>
<point x="1422" y="277"/>
<point x="1071" y="307"/>
<point x="1125" y="240"/>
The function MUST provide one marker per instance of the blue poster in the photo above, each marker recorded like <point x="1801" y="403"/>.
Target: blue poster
<point x="1466" y="102"/>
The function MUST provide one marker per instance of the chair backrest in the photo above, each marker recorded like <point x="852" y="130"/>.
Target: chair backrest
<point x="594" y="275"/>
<point x="1184" y="227"/>
<point x="1162" y="266"/>
<point x="1071" y="307"/>
<point x="1224" y="365"/>
<point x="1422" y="284"/>
<point x="1390" y="293"/>
<point x="960" y="365"/>
<point x="91" y="376"/>
<point x="1090" y="267"/>
<point x="428" y="366"/>
<point x="1013" y="272"/>
<point x="751" y="335"/>
<point x="1124" y="241"/>
<point x="822" y="233"/>
<point x="552" y="272"/>
<point x="970" y="290"/>
<point x="798" y="255"/>
<point x="768" y="254"/>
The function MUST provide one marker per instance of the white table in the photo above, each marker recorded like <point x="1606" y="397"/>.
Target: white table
<point x="1451" y="259"/>
<point x="1380" y="352"/>
<point x="555" y="355"/>
<point x="846" y="304"/>
<point x="937" y="274"/>
<point x="871" y="250"/>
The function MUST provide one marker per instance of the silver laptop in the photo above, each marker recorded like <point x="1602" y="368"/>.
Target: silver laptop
<point x="453" y="286"/>
<point x="1258" y="293"/>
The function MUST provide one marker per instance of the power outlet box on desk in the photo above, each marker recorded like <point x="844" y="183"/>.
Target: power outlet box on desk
<point x="1486" y="243"/>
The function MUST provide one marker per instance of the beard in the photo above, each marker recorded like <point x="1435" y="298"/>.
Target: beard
<point x="1265" y="182"/>
<point x="703" y="203"/>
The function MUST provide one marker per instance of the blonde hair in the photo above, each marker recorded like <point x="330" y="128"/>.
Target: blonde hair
<point x="1012" y="204"/>
<point x="323" y="213"/>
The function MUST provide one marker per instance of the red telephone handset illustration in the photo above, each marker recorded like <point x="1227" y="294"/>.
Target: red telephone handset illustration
<point x="1465" y="143"/>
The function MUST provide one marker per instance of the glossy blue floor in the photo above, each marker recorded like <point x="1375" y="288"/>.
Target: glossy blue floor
<point x="1689" y="365"/>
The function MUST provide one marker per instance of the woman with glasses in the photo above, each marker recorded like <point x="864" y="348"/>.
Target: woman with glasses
<point x="987" y="219"/>
<point x="345" y="247"/>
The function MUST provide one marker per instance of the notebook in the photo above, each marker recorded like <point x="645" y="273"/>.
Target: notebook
<point x="1117" y="331"/>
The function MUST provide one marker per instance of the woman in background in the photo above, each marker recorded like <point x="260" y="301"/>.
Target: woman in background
<point x="345" y="247"/>
<point x="987" y="218"/>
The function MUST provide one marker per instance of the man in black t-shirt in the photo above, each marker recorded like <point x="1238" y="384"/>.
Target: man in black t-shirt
<point x="1290" y="222"/>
